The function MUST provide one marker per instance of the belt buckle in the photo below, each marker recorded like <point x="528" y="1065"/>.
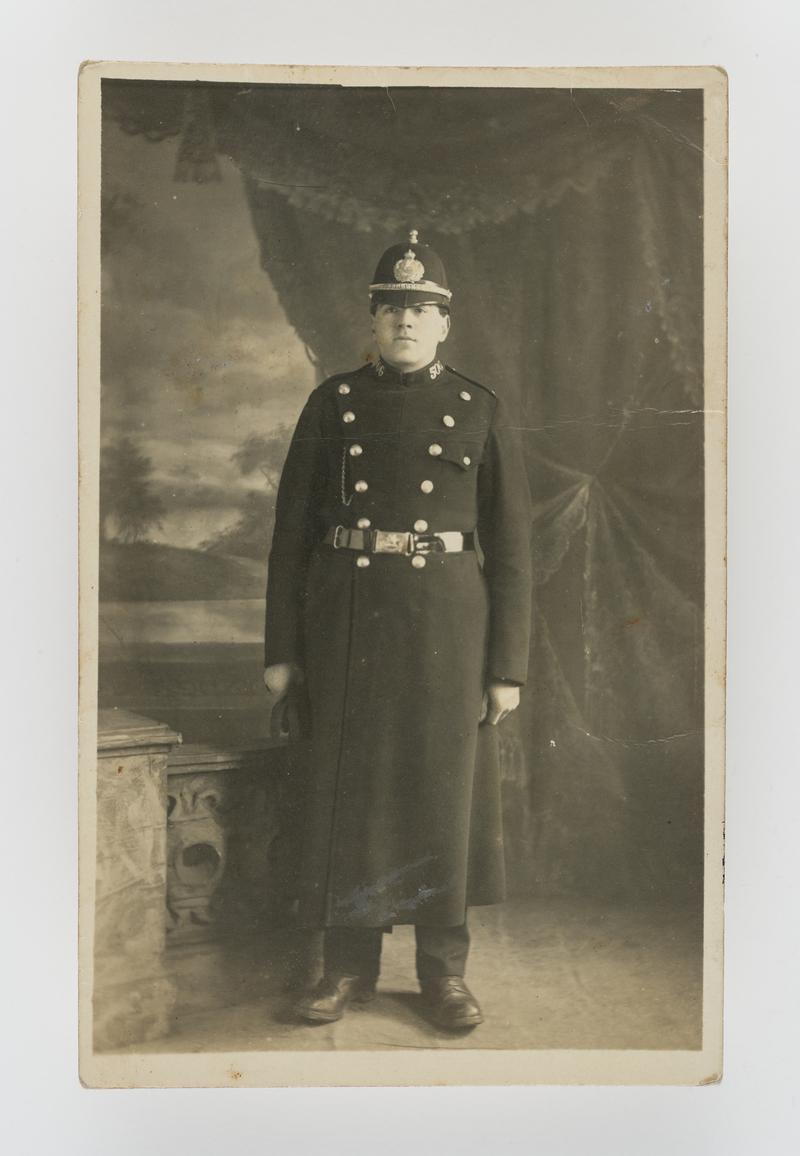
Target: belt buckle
<point x="338" y="531"/>
<point x="392" y="542"/>
<point x="428" y="544"/>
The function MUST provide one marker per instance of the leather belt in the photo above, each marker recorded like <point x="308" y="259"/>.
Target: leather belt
<point x="398" y="541"/>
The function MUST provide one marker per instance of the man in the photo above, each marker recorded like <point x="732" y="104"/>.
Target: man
<point x="399" y="598"/>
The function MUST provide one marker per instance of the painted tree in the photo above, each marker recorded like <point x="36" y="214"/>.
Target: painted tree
<point x="249" y="536"/>
<point x="128" y="500"/>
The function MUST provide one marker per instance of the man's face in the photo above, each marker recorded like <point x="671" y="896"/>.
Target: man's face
<point x="408" y="336"/>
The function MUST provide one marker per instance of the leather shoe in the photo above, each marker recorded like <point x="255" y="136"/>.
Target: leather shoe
<point x="327" y="1002"/>
<point x="450" y="1002"/>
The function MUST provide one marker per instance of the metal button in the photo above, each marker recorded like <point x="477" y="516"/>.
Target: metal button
<point x="348" y="416"/>
<point x="361" y="487"/>
<point x="467" y="461"/>
<point x="417" y="561"/>
<point x="434" y="450"/>
<point x="449" y="421"/>
<point x="344" y="388"/>
<point x="362" y="560"/>
<point x="465" y="395"/>
<point x="356" y="451"/>
<point x="363" y="523"/>
<point x="426" y="486"/>
<point x="420" y="525"/>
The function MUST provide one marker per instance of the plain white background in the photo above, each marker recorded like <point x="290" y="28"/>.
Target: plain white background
<point x="45" y="1110"/>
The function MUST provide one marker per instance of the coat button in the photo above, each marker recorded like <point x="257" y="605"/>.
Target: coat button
<point x="356" y="451"/>
<point x="465" y="395"/>
<point x="434" y="450"/>
<point x="348" y="416"/>
<point x="417" y="561"/>
<point x="344" y="389"/>
<point x="362" y="560"/>
<point x="467" y="461"/>
<point x="363" y="523"/>
<point x="361" y="487"/>
<point x="426" y="486"/>
<point x="420" y="525"/>
<point x="449" y="421"/>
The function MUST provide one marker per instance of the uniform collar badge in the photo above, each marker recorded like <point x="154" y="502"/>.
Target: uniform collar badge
<point x="432" y="371"/>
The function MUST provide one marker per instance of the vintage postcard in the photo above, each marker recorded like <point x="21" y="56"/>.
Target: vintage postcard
<point x="402" y="575"/>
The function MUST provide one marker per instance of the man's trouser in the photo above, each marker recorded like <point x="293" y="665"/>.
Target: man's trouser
<point x="357" y="951"/>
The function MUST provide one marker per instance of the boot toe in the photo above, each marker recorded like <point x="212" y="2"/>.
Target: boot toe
<point x="327" y="1002"/>
<point x="451" y="1004"/>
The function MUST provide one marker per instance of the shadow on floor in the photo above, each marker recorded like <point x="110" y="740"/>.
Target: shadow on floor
<point x="549" y="974"/>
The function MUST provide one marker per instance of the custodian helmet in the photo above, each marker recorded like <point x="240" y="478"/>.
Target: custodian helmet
<point x="410" y="274"/>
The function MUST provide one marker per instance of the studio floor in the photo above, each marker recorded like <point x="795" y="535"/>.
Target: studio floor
<point x="548" y="974"/>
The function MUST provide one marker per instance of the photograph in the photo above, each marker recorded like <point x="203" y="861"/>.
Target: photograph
<point x="402" y="410"/>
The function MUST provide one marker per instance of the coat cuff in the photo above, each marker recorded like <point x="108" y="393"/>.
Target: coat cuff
<point x="507" y="657"/>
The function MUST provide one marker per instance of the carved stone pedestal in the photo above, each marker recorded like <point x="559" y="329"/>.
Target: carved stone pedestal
<point x="133" y="994"/>
<point x="229" y="835"/>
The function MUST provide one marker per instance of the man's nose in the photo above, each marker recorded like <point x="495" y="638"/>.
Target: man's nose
<point x="405" y="319"/>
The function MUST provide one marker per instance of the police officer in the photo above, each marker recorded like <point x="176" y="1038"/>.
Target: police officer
<point x="399" y="600"/>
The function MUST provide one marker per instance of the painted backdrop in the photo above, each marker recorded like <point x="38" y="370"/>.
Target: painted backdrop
<point x="241" y="227"/>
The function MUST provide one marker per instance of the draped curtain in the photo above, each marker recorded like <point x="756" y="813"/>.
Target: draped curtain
<point x="570" y="223"/>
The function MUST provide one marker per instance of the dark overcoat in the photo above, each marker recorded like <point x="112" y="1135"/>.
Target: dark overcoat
<point x="404" y="818"/>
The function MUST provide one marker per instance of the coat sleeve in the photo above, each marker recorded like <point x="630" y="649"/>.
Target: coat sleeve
<point x="504" y="533"/>
<point x="296" y="532"/>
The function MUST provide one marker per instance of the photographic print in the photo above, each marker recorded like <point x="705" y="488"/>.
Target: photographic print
<point x="402" y="424"/>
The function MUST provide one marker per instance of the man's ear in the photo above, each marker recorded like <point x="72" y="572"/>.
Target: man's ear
<point x="445" y="326"/>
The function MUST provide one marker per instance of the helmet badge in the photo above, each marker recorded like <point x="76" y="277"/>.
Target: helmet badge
<point x="408" y="270"/>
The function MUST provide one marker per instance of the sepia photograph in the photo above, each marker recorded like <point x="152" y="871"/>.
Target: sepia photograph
<point x="402" y="575"/>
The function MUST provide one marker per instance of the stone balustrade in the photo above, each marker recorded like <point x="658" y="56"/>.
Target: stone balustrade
<point x="228" y="852"/>
<point x="194" y="843"/>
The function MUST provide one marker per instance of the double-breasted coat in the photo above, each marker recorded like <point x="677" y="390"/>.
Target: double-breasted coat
<point x="404" y="817"/>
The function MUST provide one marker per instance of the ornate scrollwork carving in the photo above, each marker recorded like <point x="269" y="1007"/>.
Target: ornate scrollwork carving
<point x="196" y="853"/>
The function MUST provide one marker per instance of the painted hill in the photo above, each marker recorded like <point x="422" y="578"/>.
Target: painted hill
<point x="149" y="572"/>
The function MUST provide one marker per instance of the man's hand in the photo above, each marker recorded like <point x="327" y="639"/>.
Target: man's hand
<point x="279" y="678"/>
<point x="498" y="702"/>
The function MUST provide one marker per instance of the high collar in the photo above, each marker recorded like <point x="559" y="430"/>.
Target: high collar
<point x="430" y="372"/>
